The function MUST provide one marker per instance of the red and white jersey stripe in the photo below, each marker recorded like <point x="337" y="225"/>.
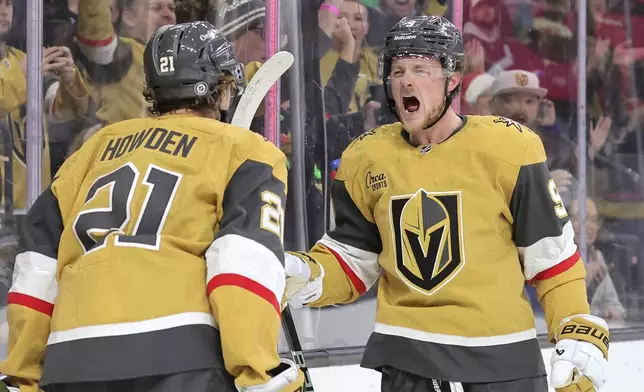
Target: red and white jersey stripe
<point x="34" y="282"/>
<point x="240" y="261"/>
<point x="550" y="255"/>
<point x="361" y="266"/>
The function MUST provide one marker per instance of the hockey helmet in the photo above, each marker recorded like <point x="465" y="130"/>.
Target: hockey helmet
<point x="186" y="61"/>
<point x="429" y="36"/>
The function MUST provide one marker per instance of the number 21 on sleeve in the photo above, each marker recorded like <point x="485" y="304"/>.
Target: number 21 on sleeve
<point x="272" y="214"/>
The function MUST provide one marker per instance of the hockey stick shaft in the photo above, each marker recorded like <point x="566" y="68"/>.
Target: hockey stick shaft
<point x="288" y="324"/>
<point x="267" y="75"/>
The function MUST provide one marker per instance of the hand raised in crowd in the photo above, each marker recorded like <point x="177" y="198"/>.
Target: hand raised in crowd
<point x="599" y="134"/>
<point x="335" y="3"/>
<point x="65" y="67"/>
<point x="547" y="116"/>
<point x="503" y="64"/>
<point x="474" y="56"/>
<point x="342" y="34"/>
<point x="57" y="60"/>
<point x="614" y="315"/>
<point x="602" y="47"/>
<point x="596" y="271"/>
<point x="342" y="31"/>
<point x="598" y="50"/>
<point x="326" y="17"/>
<point x="370" y="115"/>
<point x="625" y="55"/>
<point x="53" y="59"/>
<point x="562" y="178"/>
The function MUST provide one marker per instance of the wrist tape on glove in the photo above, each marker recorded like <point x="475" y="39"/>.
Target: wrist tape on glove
<point x="586" y="328"/>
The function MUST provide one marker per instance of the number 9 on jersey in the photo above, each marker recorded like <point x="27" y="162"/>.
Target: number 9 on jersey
<point x="560" y="210"/>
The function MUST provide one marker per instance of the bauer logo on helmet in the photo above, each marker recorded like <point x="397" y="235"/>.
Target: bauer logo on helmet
<point x="405" y="37"/>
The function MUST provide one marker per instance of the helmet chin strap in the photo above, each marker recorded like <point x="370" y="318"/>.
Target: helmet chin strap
<point x="447" y="102"/>
<point x="227" y="115"/>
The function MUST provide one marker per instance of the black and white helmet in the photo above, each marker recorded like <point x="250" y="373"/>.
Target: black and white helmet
<point x="428" y="36"/>
<point x="186" y="61"/>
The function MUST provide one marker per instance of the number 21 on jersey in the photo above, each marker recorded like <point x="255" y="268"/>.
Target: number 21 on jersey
<point x="93" y="225"/>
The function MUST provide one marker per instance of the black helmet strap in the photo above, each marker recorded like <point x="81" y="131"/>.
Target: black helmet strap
<point x="446" y="103"/>
<point x="227" y="115"/>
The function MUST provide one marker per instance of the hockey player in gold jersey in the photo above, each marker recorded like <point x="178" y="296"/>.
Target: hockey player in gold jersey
<point x="154" y="262"/>
<point x="454" y="214"/>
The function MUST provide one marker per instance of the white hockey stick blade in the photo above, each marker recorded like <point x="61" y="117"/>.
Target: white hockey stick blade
<point x="258" y="87"/>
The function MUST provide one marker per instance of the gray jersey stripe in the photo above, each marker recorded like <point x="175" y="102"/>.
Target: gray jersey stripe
<point x="352" y="228"/>
<point x="533" y="207"/>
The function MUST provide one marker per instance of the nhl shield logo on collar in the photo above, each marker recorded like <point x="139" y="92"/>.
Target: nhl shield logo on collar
<point x="425" y="149"/>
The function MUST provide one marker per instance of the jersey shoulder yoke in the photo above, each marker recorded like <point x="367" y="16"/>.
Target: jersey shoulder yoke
<point x="372" y="141"/>
<point x="506" y="139"/>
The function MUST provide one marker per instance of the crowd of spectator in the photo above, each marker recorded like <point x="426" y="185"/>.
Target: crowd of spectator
<point x="521" y="63"/>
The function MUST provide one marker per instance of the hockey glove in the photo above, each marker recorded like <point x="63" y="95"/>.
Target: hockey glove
<point x="580" y="356"/>
<point x="4" y="387"/>
<point x="300" y="289"/>
<point x="286" y="378"/>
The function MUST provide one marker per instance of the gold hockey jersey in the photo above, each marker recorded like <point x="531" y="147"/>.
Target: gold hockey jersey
<point x="114" y="64"/>
<point x="157" y="249"/>
<point x="61" y="103"/>
<point x="454" y="231"/>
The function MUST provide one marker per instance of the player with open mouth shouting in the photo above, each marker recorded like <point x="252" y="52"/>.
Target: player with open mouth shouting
<point x="454" y="215"/>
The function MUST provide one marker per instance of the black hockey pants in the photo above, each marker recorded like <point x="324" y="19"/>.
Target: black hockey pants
<point x="207" y="380"/>
<point x="394" y="380"/>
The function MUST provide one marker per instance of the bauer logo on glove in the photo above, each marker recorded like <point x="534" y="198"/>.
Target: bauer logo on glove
<point x="583" y="329"/>
<point x="580" y="356"/>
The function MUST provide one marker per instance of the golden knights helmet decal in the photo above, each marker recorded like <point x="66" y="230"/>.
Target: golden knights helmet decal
<point x="427" y="231"/>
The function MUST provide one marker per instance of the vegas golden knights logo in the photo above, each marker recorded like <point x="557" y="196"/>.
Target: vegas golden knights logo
<point x="522" y="79"/>
<point x="427" y="237"/>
